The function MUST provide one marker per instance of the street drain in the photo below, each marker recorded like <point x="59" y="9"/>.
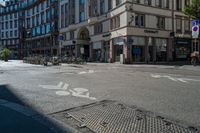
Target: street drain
<point x="113" y="117"/>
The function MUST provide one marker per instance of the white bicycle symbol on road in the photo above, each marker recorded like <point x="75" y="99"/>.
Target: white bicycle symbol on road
<point x="62" y="89"/>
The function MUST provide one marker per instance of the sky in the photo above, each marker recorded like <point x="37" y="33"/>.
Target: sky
<point x="1" y="2"/>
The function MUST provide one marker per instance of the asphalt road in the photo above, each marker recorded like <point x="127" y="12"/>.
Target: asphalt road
<point x="172" y="91"/>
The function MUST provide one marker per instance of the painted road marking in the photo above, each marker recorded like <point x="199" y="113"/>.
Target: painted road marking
<point x="57" y="87"/>
<point x="183" y="80"/>
<point x="62" y="89"/>
<point x="87" y="72"/>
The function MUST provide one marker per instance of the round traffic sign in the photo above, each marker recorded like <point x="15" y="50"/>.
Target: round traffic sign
<point x="195" y="28"/>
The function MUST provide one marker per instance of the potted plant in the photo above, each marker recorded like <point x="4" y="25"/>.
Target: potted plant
<point x="5" y="54"/>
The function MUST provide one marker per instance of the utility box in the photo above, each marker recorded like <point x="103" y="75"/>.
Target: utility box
<point x="122" y="59"/>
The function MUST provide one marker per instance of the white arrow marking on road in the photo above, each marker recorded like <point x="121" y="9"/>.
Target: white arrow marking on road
<point x="184" y="80"/>
<point x="53" y="87"/>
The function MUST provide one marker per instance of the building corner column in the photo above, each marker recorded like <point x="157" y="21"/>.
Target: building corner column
<point x="127" y="51"/>
<point x="111" y="60"/>
<point x="91" y="51"/>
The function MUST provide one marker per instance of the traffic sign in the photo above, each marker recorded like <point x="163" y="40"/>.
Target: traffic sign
<point x="195" y="22"/>
<point x="195" y="29"/>
<point x="61" y="37"/>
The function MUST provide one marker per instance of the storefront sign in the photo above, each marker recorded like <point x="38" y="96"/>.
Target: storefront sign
<point x="106" y="35"/>
<point x="119" y="41"/>
<point x="151" y="31"/>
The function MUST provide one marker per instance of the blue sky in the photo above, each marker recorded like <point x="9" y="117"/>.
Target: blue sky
<point x="1" y="1"/>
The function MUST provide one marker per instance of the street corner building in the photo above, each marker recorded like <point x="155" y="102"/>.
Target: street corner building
<point x="101" y="30"/>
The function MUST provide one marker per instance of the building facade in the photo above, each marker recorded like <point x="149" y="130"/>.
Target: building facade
<point x="142" y="30"/>
<point x="99" y="30"/>
<point x="40" y="27"/>
<point x="9" y="27"/>
<point x="29" y="27"/>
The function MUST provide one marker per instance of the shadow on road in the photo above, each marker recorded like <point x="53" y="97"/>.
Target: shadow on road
<point x="16" y="116"/>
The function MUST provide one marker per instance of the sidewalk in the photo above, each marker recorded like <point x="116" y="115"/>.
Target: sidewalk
<point x="15" y="118"/>
<point x="15" y="122"/>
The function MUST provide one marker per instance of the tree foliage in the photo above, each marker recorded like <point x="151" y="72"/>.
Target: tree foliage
<point x="5" y="54"/>
<point x="193" y="9"/>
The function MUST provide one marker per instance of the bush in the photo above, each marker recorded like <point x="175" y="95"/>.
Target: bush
<point x="5" y="54"/>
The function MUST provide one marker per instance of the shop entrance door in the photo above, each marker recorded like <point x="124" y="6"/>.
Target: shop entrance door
<point x="195" y="46"/>
<point x="106" y="51"/>
<point x="118" y="51"/>
<point x="138" y="53"/>
<point x="150" y="54"/>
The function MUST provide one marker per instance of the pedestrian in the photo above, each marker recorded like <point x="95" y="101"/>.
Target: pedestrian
<point x="148" y="58"/>
<point x="194" y="57"/>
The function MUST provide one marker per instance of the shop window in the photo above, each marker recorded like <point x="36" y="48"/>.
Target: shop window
<point x="161" y="49"/>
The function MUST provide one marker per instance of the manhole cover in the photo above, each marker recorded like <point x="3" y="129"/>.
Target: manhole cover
<point x="114" y="117"/>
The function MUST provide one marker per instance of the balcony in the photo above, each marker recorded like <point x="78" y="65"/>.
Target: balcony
<point x="97" y="18"/>
<point x="93" y="20"/>
<point x="72" y="27"/>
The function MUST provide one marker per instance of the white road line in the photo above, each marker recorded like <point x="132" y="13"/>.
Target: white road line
<point x="183" y="80"/>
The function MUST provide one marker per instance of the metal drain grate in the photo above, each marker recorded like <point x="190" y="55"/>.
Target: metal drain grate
<point x="113" y="117"/>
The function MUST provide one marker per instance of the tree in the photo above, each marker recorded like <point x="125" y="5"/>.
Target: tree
<point x="5" y="54"/>
<point x="193" y="9"/>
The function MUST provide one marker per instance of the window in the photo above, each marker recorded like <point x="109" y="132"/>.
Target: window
<point x="93" y="8"/>
<point x="42" y="18"/>
<point x="98" y="28"/>
<point x="166" y="4"/>
<point x="15" y="33"/>
<point x="2" y="25"/>
<point x="11" y="24"/>
<point x="109" y="4"/>
<point x="178" y="24"/>
<point x="178" y="5"/>
<point x="160" y="22"/>
<point x="10" y="16"/>
<point x="102" y="6"/>
<point x="187" y="25"/>
<point x="11" y="33"/>
<point x="71" y="35"/>
<point x="118" y="2"/>
<point x="115" y="22"/>
<point x="15" y="15"/>
<point x="62" y="16"/>
<point x="159" y="3"/>
<point x="148" y="2"/>
<point x="140" y="20"/>
<point x="187" y="2"/>
<point x="6" y="25"/>
<point x="82" y="14"/>
<point x="15" y="23"/>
